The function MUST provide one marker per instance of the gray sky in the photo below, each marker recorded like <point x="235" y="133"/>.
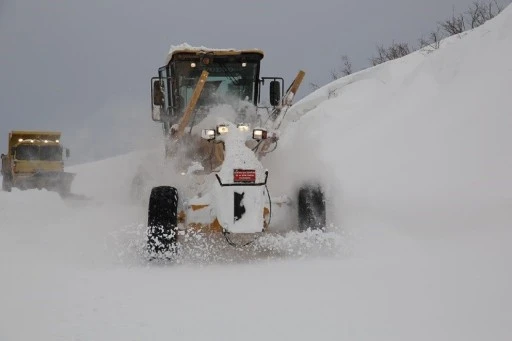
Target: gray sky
<point x="83" y="67"/>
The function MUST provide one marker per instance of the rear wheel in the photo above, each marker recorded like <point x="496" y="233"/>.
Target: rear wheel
<point x="312" y="211"/>
<point x="6" y="183"/>
<point x="162" y="229"/>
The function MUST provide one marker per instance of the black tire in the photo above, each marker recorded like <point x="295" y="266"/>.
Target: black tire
<point x="6" y="184"/>
<point x="162" y="232"/>
<point x="311" y="208"/>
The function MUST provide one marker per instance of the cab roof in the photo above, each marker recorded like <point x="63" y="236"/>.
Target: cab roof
<point x="186" y="48"/>
<point x="36" y="135"/>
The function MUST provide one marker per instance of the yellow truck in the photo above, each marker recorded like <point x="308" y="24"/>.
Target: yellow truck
<point x="35" y="160"/>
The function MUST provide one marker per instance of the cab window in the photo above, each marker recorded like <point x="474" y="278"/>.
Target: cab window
<point x="27" y="152"/>
<point x="50" y="153"/>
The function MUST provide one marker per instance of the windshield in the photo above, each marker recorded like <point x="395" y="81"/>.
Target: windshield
<point x="34" y="152"/>
<point x="50" y="153"/>
<point x="26" y="152"/>
<point x="227" y="82"/>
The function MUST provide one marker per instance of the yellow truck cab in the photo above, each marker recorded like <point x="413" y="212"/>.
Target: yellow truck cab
<point x="35" y="160"/>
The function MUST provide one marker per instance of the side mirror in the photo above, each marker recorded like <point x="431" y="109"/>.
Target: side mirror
<point x="158" y="94"/>
<point x="275" y="93"/>
<point x="68" y="153"/>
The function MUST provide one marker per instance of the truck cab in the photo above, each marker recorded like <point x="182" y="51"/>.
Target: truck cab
<point x="35" y="160"/>
<point x="233" y="78"/>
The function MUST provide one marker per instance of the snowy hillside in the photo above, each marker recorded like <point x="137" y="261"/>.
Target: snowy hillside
<point x="424" y="136"/>
<point x="416" y="154"/>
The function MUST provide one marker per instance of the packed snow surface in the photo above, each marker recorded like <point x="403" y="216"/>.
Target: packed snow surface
<point x="416" y="158"/>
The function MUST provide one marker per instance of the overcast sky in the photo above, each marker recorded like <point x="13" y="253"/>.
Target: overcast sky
<point x="83" y="67"/>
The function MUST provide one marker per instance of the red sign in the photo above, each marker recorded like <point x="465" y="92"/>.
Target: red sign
<point x="244" y="175"/>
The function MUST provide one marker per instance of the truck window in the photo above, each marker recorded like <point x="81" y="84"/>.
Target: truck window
<point x="50" y="153"/>
<point x="227" y="81"/>
<point x="27" y="152"/>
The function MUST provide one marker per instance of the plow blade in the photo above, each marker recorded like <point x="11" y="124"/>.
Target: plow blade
<point x="52" y="181"/>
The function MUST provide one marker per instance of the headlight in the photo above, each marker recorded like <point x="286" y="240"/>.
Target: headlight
<point x="259" y="134"/>
<point x="222" y="129"/>
<point x="208" y="134"/>
<point x="243" y="127"/>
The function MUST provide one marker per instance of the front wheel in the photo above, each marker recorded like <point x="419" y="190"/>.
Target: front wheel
<point x="162" y="232"/>
<point x="312" y="210"/>
<point x="6" y="184"/>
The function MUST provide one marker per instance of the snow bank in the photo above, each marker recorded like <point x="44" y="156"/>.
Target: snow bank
<point x="421" y="142"/>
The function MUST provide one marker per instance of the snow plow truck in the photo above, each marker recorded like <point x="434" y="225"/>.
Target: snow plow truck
<point x="35" y="160"/>
<point x="217" y="132"/>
